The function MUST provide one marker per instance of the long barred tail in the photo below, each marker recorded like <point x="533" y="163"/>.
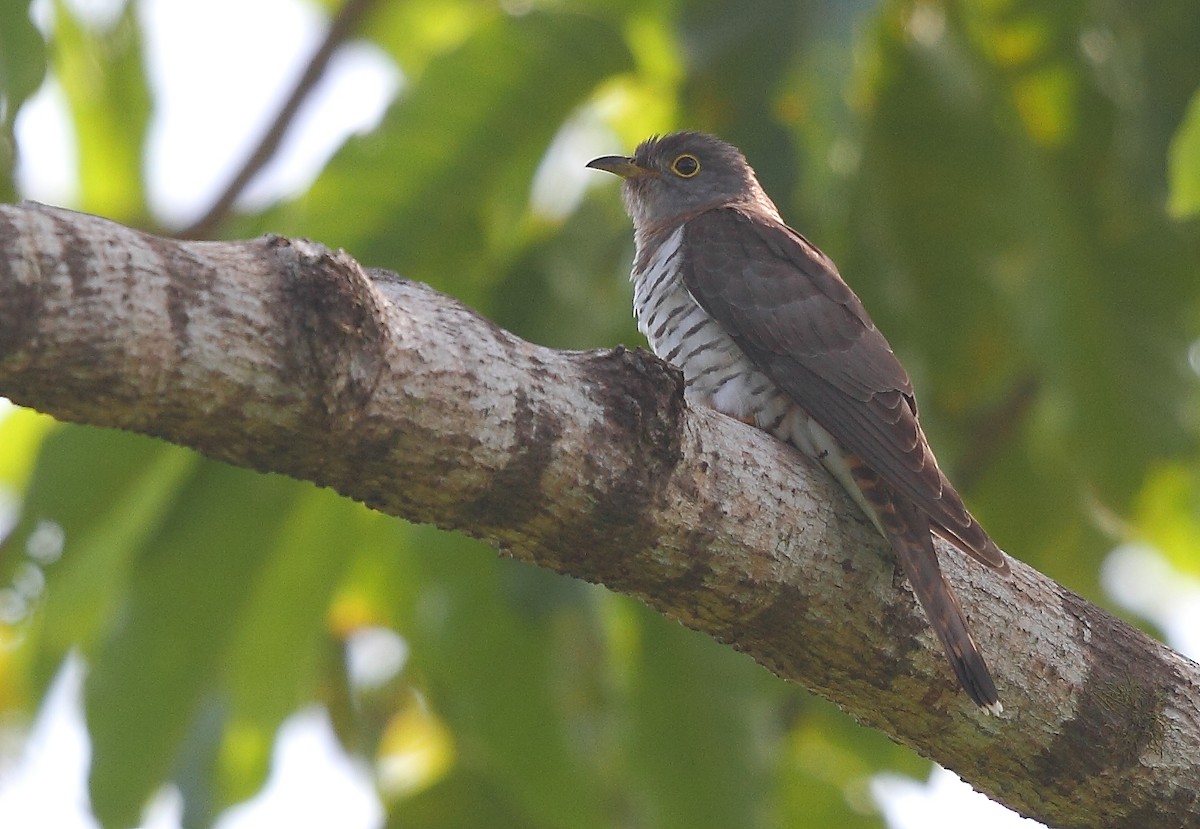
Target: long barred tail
<point x="908" y="531"/>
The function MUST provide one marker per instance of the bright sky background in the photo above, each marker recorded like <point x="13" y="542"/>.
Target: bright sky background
<point x="220" y="69"/>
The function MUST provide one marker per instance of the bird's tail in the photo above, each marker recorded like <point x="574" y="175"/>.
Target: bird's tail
<point x="908" y="531"/>
<point x="946" y="617"/>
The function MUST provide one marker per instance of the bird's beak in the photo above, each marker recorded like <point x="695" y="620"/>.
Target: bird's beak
<point x="619" y="165"/>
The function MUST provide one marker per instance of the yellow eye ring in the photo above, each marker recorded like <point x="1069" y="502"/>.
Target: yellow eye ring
<point x="685" y="166"/>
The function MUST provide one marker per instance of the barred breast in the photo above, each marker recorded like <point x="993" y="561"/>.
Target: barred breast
<point x="716" y="372"/>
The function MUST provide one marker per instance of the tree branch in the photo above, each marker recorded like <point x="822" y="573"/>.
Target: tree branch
<point x="277" y="354"/>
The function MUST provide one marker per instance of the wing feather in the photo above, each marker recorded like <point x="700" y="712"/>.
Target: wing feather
<point x="786" y="306"/>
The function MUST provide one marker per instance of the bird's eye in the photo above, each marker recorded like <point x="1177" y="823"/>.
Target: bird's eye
<point x="685" y="166"/>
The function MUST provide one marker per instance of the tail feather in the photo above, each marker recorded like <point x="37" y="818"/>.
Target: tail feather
<point x="973" y="541"/>
<point x="908" y="531"/>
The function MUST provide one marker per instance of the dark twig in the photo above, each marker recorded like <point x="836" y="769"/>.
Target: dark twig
<point x="340" y="27"/>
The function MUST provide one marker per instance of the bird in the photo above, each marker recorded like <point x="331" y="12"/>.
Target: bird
<point x="765" y="330"/>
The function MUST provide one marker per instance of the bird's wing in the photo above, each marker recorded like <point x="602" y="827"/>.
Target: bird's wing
<point x="784" y="304"/>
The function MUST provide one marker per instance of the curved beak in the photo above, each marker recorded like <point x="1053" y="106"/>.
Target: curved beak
<point x="618" y="165"/>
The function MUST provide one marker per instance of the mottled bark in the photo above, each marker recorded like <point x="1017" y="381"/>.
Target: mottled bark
<point x="279" y="355"/>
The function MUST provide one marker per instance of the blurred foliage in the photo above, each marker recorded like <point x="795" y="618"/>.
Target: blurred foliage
<point x="22" y="69"/>
<point x="1010" y="186"/>
<point x="1185" y="164"/>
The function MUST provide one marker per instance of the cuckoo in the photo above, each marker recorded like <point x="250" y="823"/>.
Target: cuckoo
<point x="765" y="330"/>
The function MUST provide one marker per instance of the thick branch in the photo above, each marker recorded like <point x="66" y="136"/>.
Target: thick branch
<point x="279" y="355"/>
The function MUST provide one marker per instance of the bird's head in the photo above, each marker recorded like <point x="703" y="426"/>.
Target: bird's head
<point x="673" y="175"/>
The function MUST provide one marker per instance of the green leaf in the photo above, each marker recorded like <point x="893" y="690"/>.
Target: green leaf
<point x="103" y="76"/>
<point x="106" y="491"/>
<point x="22" y="68"/>
<point x="1168" y="513"/>
<point x="1185" y="164"/>
<point x="280" y="640"/>
<point x="439" y="191"/>
<point x="415" y="32"/>
<point x="823" y="776"/>
<point x="22" y="432"/>
<point x="155" y="683"/>
<point x="482" y="632"/>
<point x="22" y="58"/>
<point x="460" y="800"/>
<point x="700" y="730"/>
